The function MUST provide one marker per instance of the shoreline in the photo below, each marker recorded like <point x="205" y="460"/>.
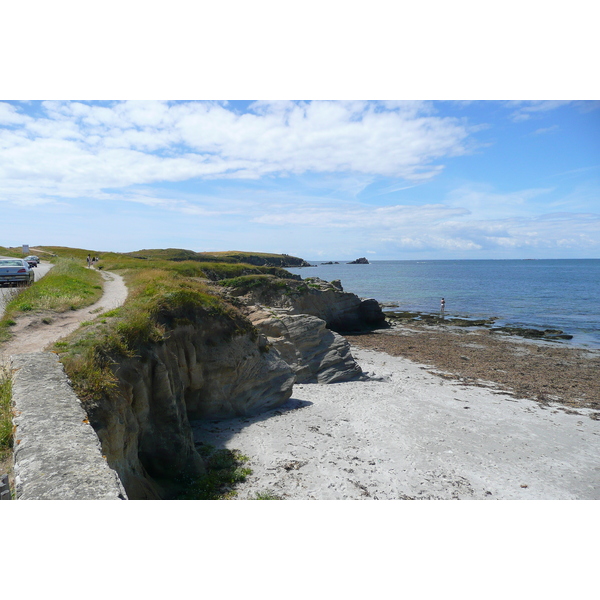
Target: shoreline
<point x="497" y="325"/>
<point x="408" y="433"/>
<point x="535" y="369"/>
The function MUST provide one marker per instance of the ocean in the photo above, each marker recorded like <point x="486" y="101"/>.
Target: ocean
<point x="543" y="294"/>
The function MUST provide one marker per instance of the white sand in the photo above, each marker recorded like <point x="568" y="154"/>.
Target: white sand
<point x="413" y="434"/>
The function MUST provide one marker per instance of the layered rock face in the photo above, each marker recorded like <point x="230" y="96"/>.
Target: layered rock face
<point x="341" y="311"/>
<point x="197" y="373"/>
<point x="315" y="353"/>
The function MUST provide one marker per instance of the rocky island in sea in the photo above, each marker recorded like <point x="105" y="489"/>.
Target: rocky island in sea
<point x="359" y="261"/>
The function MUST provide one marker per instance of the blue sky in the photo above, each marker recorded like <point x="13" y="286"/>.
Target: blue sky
<point x="317" y="179"/>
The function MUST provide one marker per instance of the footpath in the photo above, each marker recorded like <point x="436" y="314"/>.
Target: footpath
<point x="57" y="454"/>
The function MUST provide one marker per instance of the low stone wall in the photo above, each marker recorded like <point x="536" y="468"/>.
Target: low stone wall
<point x="57" y="454"/>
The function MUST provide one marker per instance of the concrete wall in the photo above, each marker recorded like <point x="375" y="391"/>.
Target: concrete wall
<point x="57" y="453"/>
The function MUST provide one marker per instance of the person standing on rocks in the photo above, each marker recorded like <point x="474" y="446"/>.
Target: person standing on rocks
<point x="442" y="307"/>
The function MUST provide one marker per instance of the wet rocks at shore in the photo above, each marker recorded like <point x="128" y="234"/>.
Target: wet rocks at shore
<point x="511" y="330"/>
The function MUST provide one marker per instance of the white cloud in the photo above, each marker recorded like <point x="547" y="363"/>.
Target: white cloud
<point x="10" y="116"/>
<point x="124" y="143"/>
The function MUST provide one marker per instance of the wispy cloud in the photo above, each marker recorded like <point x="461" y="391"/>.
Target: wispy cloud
<point x="525" y="110"/>
<point x="543" y="130"/>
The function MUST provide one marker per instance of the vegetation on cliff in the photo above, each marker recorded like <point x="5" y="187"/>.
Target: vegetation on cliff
<point x="6" y="440"/>
<point x="264" y="283"/>
<point x="252" y="258"/>
<point x="184" y="262"/>
<point x="141" y="370"/>
<point x="159" y="300"/>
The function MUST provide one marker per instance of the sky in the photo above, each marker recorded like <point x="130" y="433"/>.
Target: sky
<point x="317" y="179"/>
<point x="427" y="131"/>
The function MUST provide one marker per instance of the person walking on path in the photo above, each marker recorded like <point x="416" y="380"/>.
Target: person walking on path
<point x="89" y="260"/>
<point x="442" y="307"/>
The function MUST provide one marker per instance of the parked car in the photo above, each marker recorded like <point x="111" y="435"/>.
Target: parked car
<point x="15" y="270"/>
<point x="33" y="261"/>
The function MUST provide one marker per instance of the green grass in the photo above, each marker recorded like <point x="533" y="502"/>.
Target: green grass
<point x="267" y="495"/>
<point x="67" y="286"/>
<point x="231" y="256"/>
<point x="12" y="252"/>
<point x="224" y="470"/>
<point x="6" y="427"/>
<point x="245" y="283"/>
<point x="215" y="266"/>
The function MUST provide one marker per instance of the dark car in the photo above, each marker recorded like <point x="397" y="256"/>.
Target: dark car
<point x="15" y="270"/>
<point x="33" y="261"/>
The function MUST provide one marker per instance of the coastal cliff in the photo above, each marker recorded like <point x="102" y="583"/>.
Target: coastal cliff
<point x="198" y="372"/>
<point x="181" y="349"/>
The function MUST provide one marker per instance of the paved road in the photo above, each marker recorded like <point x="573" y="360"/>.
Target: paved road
<point x="6" y="293"/>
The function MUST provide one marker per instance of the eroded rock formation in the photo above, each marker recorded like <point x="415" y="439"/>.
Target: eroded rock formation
<point x="198" y="372"/>
<point x="315" y="353"/>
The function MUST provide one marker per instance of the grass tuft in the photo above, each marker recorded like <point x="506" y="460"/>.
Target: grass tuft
<point x="267" y="495"/>
<point x="224" y="470"/>
<point x="6" y="426"/>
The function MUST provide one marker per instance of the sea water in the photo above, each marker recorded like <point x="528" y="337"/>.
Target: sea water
<point x="543" y="294"/>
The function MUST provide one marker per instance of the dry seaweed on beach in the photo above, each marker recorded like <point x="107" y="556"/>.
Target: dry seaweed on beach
<point x="541" y="372"/>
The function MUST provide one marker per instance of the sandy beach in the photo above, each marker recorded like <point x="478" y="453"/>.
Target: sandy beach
<point x="420" y="430"/>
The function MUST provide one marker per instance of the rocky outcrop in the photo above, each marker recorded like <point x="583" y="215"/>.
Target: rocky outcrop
<point x="198" y="372"/>
<point x="315" y="353"/>
<point x="341" y="311"/>
<point x="359" y="261"/>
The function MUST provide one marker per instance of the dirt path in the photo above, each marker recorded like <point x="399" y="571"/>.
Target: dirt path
<point x="34" y="333"/>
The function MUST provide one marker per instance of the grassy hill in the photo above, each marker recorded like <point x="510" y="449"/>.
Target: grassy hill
<point x="231" y="256"/>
